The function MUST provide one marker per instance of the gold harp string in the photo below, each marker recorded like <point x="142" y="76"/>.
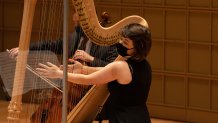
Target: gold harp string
<point x="42" y="20"/>
<point x="52" y="9"/>
<point x="46" y="28"/>
<point x="60" y="22"/>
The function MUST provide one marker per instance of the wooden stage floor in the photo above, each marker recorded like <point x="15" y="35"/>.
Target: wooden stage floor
<point x="4" y="111"/>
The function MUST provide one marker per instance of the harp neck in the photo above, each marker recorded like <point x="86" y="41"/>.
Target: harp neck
<point x="94" y="31"/>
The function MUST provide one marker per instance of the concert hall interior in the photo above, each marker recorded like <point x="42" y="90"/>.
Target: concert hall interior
<point x="183" y="58"/>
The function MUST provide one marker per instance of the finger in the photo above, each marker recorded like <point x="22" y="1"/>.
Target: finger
<point x="80" y="56"/>
<point x="77" y="53"/>
<point x="9" y="51"/>
<point x="76" y="56"/>
<point x="41" y="71"/>
<point x="76" y="62"/>
<point x="71" y="60"/>
<point x="43" y="66"/>
<point x="14" y="50"/>
<point x="51" y="65"/>
<point x="79" y="50"/>
<point x="15" y="53"/>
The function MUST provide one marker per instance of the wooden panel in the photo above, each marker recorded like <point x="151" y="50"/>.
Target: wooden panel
<point x="167" y="112"/>
<point x="115" y="13"/>
<point x="154" y="1"/>
<point x="175" y="92"/>
<point x="37" y="18"/>
<point x="156" y="55"/>
<point x="156" y="90"/>
<point x="131" y="11"/>
<point x="113" y="1"/>
<point x="131" y="1"/>
<point x="176" y="25"/>
<point x="175" y="57"/>
<point x="13" y="13"/>
<point x="199" y="29"/>
<point x="214" y="95"/>
<point x="199" y="59"/>
<point x="155" y="19"/>
<point x="200" y="3"/>
<point x="198" y="93"/>
<point x="176" y="2"/>
<point x="97" y="1"/>
<point x="1" y="14"/>
<point x="215" y="27"/>
<point x="215" y="60"/>
<point x="215" y="3"/>
<point x="196" y="116"/>
<point x="11" y="39"/>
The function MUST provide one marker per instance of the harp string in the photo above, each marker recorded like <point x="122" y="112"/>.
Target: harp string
<point x="46" y="29"/>
<point x="45" y="34"/>
<point x="49" y="20"/>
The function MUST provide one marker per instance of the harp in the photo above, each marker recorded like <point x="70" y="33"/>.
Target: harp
<point x="88" y="106"/>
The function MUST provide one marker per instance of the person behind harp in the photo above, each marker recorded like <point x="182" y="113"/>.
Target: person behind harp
<point x="97" y="56"/>
<point x="128" y="80"/>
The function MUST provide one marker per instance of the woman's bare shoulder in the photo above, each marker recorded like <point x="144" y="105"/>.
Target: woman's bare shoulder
<point x="119" y="64"/>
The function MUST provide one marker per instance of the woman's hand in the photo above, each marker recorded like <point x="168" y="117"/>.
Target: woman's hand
<point x="76" y="67"/>
<point x="49" y="71"/>
<point x="13" y="52"/>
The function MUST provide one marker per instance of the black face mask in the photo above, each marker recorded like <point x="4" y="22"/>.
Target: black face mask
<point x="122" y="50"/>
<point x="78" y="29"/>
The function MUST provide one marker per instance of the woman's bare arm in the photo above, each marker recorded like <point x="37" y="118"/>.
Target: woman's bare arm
<point x="113" y="71"/>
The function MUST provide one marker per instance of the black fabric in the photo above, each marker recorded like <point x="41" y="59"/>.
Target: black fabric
<point x="102" y="54"/>
<point x="128" y="102"/>
<point x="54" y="46"/>
<point x="132" y="114"/>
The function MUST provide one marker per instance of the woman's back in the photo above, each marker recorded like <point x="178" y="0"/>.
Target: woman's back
<point x="128" y="102"/>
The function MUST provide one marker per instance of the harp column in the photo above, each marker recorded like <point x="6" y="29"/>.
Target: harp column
<point x="15" y="105"/>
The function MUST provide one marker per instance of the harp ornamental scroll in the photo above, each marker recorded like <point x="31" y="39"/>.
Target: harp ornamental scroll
<point x="92" y="28"/>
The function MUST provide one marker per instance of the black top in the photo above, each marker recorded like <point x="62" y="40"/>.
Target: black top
<point x="128" y="102"/>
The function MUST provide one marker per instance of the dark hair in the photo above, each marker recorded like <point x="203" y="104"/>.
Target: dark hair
<point x="141" y="37"/>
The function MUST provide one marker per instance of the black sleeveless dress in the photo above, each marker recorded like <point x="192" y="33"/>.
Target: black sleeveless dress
<point x="128" y="102"/>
